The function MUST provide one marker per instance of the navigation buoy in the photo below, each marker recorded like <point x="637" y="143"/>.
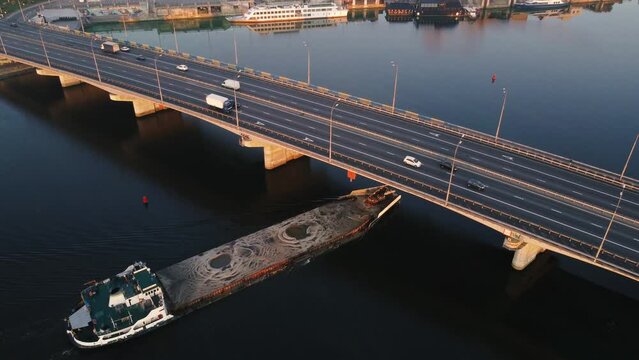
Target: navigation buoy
<point x="494" y="77"/>
<point x="351" y="175"/>
<point x="145" y="200"/>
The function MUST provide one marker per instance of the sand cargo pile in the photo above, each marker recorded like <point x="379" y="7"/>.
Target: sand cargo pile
<point x="221" y="271"/>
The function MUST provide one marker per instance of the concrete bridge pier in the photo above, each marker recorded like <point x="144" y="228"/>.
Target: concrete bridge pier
<point x="65" y="80"/>
<point x="274" y="156"/>
<point x="141" y="107"/>
<point x="525" y="252"/>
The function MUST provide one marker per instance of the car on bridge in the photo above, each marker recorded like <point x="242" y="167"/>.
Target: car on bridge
<point x="182" y="67"/>
<point x="125" y="48"/>
<point x="140" y="57"/>
<point x="476" y="184"/>
<point x="409" y="160"/>
<point x="13" y="24"/>
<point x="447" y="165"/>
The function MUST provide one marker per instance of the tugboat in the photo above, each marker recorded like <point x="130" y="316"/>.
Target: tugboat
<point x="118" y="308"/>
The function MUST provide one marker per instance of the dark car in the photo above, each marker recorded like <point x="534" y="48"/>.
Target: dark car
<point x="13" y="25"/>
<point x="476" y="184"/>
<point x="447" y="165"/>
<point x="140" y="57"/>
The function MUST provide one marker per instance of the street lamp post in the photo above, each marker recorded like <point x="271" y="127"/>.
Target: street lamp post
<point x="612" y="219"/>
<point x="177" y="48"/>
<point x="95" y="61"/>
<point x="44" y="49"/>
<point x="235" y="47"/>
<point x="3" y="48"/>
<point x="157" y="75"/>
<point x="308" y="63"/>
<point x="24" y="18"/>
<point x="623" y="172"/>
<point x="501" y="115"/>
<point x="237" y="115"/>
<point x="126" y="35"/>
<point x="330" y="133"/>
<point x="396" y="66"/>
<point x="452" y="170"/>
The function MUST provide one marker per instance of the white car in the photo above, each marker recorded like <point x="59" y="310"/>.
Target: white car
<point x="124" y="48"/>
<point x="182" y="67"/>
<point x="409" y="160"/>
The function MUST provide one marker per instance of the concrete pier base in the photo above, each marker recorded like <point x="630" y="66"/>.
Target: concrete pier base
<point x="65" y="80"/>
<point x="140" y="107"/>
<point x="274" y="156"/>
<point x="525" y="252"/>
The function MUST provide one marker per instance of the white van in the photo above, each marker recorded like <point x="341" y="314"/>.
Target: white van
<point x="231" y="84"/>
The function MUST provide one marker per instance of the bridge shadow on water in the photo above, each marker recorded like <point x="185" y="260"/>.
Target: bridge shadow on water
<point x="423" y="282"/>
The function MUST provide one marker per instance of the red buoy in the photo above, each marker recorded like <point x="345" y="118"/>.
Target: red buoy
<point x="145" y="200"/>
<point x="494" y="77"/>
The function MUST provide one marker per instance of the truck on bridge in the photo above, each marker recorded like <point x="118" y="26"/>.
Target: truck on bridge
<point x="110" y="47"/>
<point x="220" y="102"/>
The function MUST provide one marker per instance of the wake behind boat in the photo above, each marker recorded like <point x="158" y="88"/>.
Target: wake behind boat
<point x="289" y="12"/>
<point x="541" y="4"/>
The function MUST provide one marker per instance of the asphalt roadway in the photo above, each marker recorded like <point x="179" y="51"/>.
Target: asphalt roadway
<point x="563" y="207"/>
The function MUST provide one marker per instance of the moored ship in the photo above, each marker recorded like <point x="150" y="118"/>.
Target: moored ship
<point x="137" y="300"/>
<point x="289" y="12"/>
<point x="541" y="4"/>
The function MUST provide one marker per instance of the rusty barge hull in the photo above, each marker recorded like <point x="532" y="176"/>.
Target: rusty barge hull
<point x="219" y="272"/>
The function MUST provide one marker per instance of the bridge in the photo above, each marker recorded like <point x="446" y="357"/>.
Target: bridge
<point x="537" y="200"/>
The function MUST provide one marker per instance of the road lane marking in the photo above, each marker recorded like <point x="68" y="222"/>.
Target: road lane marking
<point x="519" y="197"/>
<point x="474" y="158"/>
<point x="362" y="123"/>
<point x="443" y="148"/>
<point x="505" y="168"/>
<point x="577" y="192"/>
<point x="312" y="127"/>
<point x="414" y="139"/>
<point x="362" y="144"/>
<point x="540" y="180"/>
<point x="266" y="113"/>
<point x="599" y="226"/>
<point x="316" y="109"/>
<point x="388" y="131"/>
<point x="294" y="102"/>
<point x="390" y="153"/>
<point x="289" y="120"/>
<point x="557" y="211"/>
<point x="337" y="136"/>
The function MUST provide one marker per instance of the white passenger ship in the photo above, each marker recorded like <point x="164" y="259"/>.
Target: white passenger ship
<point x="289" y="12"/>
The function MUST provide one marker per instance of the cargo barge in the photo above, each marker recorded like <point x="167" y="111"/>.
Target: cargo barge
<point x="137" y="300"/>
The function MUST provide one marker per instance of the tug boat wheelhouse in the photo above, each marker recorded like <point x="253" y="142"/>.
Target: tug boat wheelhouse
<point x="289" y="12"/>
<point x="117" y="308"/>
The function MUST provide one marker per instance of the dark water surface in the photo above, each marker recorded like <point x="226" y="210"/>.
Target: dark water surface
<point x="425" y="283"/>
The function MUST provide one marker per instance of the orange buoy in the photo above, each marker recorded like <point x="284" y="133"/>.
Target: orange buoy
<point x="494" y="77"/>
<point x="351" y="175"/>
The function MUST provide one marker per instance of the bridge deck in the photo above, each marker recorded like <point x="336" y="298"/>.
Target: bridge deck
<point x="564" y="203"/>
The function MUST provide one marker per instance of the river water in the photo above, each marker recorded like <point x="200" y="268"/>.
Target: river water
<point x="425" y="283"/>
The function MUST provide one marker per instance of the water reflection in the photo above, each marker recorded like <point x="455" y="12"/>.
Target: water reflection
<point x="293" y="26"/>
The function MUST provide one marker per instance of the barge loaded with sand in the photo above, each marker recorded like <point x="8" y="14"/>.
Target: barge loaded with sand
<point x="137" y="300"/>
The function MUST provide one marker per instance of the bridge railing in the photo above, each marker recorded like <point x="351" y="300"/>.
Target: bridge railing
<point x="432" y="193"/>
<point x="434" y="123"/>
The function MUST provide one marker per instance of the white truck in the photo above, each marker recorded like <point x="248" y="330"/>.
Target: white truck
<point x="220" y="103"/>
<point x="110" y="47"/>
<point x="231" y="84"/>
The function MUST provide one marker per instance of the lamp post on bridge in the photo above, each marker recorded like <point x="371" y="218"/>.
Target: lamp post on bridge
<point x="95" y="61"/>
<point x="126" y="35"/>
<point x="24" y="18"/>
<point x="612" y="219"/>
<point x="237" y="115"/>
<point x="308" y="63"/>
<point x="396" y="67"/>
<point x="177" y="48"/>
<point x="623" y="172"/>
<point x="501" y="115"/>
<point x="44" y="49"/>
<point x="157" y="75"/>
<point x="452" y="170"/>
<point x="330" y="132"/>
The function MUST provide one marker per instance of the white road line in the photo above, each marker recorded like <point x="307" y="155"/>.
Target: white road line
<point x="474" y="158"/>
<point x="294" y="102"/>
<point x="390" y="153"/>
<point x="362" y="123"/>
<point x="337" y="136"/>
<point x="289" y="120"/>
<point x="540" y="180"/>
<point x="266" y="113"/>
<point x="635" y="239"/>
<point x="443" y="148"/>
<point x="388" y="131"/>
<point x="599" y="226"/>
<point x="414" y="139"/>
<point x="316" y="109"/>
<point x="557" y="211"/>
<point x="577" y="192"/>
<point x="505" y="168"/>
<point x="519" y="197"/>
<point x="310" y="127"/>
<point x="362" y="144"/>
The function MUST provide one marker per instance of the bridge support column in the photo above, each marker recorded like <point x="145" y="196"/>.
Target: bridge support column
<point x="65" y="80"/>
<point x="525" y="252"/>
<point x="274" y="156"/>
<point x="140" y="107"/>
